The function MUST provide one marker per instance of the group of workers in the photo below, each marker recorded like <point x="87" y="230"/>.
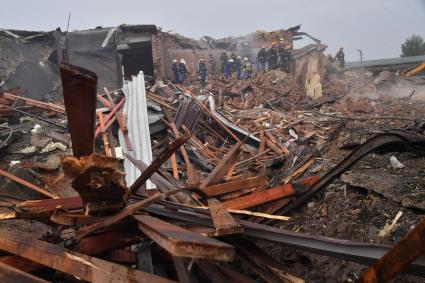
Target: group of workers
<point x="278" y="56"/>
<point x="235" y="65"/>
<point x="181" y="71"/>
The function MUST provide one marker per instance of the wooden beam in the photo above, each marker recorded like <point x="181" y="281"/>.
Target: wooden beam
<point x="234" y="186"/>
<point x="216" y="176"/>
<point x="156" y="164"/>
<point x="36" y="103"/>
<point x="27" y="184"/>
<point x="111" y="117"/>
<point x="183" y="243"/>
<point x="104" y="135"/>
<point x="82" y="266"/>
<point x="223" y="222"/>
<point x="50" y="205"/>
<point x="127" y="211"/>
<point x="398" y="258"/>
<point x="269" y="195"/>
<point x="261" y="197"/>
<point x="9" y="274"/>
<point x="262" y="141"/>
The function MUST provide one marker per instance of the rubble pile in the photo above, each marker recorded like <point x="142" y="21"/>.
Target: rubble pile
<point x="251" y="180"/>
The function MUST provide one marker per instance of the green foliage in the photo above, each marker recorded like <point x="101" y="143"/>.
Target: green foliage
<point x="413" y="46"/>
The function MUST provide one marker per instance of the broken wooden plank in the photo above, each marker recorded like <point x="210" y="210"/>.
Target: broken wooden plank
<point x="96" y="178"/>
<point x="162" y="183"/>
<point x="110" y="118"/>
<point x="299" y="171"/>
<point x="50" y="205"/>
<point x="183" y="243"/>
<point x="275" y="193"/>
<point x="127" y="211"/>
<point x="274" y="147"/>
<point x="261" y="197"/>
<point x="28" y="184"/>
<point x="82" y="266"/>
<point x="80" y="92"/>
<point x="398" y="258"/>
<point x="222" y="167"/>
<point x="74" y="219"/>
<point x="262" y="141"/>
<point x="223" y="222"/>
<point x="104" y="101"/>
<point x="106" y="146"/>
<point x="190" y="170"/>
<point x="156" y="164"/>
<point x="9" y="274"/>
<point x="36" y="103"/>
<point x="234" y="186"/>
<point x="174" y="166"/>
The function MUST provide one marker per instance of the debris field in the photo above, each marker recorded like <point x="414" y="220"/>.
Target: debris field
<point x="311" y="175"/>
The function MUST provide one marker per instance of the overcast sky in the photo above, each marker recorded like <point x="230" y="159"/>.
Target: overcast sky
<point x="377" y="27"/>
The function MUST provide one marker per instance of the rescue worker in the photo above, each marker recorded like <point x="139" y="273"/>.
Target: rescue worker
<point x="211" y="62"/>
<point x="280" y="48"/>
<point x="175" y="69"/>
<point x="247" y="69"/>
<point x="286" y="59"/>
<point x="273" y="57"/>
<point x="238" y="67"/>
<point x="261" y="58"/>
<point x="202" y="71"/>
<point x="223" y="59"/>
<point x="228" y="68"/>
<point x="183" y="71"/>
<point x="340" y="57"/>
<point x="233" y="57"/>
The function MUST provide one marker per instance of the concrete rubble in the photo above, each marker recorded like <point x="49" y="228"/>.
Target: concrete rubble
<point x="112" y="171"/>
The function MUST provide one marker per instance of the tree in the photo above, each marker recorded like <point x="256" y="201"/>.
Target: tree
<point x="413" y="46"/>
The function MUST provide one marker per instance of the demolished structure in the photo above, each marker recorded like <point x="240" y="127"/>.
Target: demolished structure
<point x="113" y="173"/>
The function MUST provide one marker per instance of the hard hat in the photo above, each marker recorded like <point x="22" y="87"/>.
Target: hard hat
<point x="230" y="60"/>
<point x="174" y="61"/>
<point x="246" y="59"/>
<point x="239" y="57"/>
<point x="281" y="39"/>
<point x="201" y="60"/>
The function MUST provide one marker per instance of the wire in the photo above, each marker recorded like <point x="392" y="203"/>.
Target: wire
<point x="4" y="143"/>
